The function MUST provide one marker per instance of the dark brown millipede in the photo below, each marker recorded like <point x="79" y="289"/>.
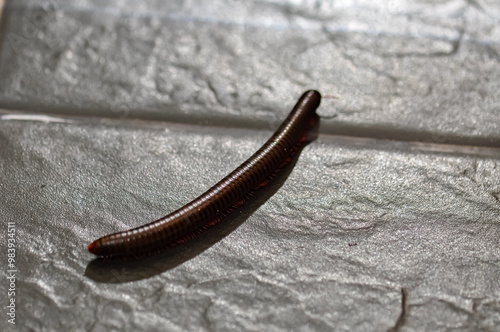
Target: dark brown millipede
<point x="223" y="197"/>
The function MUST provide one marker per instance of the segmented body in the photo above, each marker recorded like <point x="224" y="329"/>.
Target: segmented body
<point x="222" y="197"/>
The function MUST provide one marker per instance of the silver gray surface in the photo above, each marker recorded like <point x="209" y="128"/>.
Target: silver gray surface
<point x="115" y="114"/>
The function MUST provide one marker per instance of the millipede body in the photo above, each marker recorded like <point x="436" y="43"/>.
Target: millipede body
<point x="223" y="197"/>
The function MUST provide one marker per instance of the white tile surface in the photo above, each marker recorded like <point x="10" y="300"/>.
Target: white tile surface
<point x="115" y="114"/>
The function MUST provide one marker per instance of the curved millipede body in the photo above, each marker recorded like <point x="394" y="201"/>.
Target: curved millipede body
<point x="224" y="196"/>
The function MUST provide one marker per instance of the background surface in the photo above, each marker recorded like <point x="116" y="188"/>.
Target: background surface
<point x="114" y="114"/>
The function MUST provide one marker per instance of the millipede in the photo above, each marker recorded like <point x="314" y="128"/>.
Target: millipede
<point x="224" y="197"/>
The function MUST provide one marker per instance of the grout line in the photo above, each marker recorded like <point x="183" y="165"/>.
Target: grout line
<point x="363" y="141"/>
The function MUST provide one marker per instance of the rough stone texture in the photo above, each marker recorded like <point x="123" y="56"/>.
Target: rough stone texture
<point x="116" y="113"/>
